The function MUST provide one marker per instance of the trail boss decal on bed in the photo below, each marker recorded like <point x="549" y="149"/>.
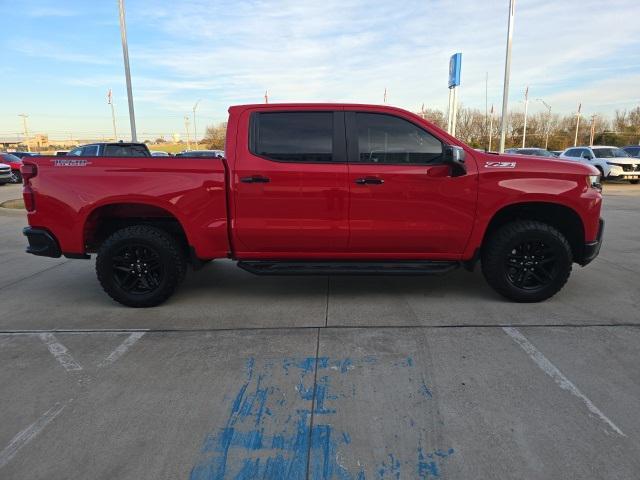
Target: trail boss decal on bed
<point x="500" y="164"/>
<point x="71" y="163"/>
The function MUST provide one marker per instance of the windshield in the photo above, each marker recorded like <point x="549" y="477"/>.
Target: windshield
<point x="610" y="153"/>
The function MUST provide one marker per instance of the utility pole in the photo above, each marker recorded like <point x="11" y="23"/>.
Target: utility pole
<point x="526" y="106"/>
<point x="127" y="72"/>
<point x="548" y="128"/>
<point x="186" y="126"/>
<point x="113" y="115"/>
<point x="575" y="139"/>
<point x="384" y="97"/>
<point x="507" y="73"/>
<point x="26" y="129"/>
<point x="195" y="130"/>
<point x="266" y="96"/>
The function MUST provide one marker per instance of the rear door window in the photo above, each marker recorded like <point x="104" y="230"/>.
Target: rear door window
<point x="125" y="151"/>
<point x="90" y="150"/>
<point x="293" y="136"/>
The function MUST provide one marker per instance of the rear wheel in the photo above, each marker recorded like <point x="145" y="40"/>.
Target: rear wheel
<point x="527" y="261"/>
<point x="140" y="266"/>
<point x="634" y="182"/>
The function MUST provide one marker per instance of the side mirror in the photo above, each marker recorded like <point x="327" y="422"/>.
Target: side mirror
<point x="454" y="156"/>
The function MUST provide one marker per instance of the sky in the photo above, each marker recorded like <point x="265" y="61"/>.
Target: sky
<point x="59" y="58"/>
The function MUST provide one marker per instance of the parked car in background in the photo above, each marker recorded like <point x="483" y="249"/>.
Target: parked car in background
<point x="24" y="154"/>
<point x="117" y="149"/>
<point x="632" y="150"/>
<point x="5" y="173"/>
<point x="159" y="153"/>
<point x="611" y="162"/>
<point x="540" y="152"/>
<point x="201" y="153"/>
<point x="61" y="153"/>
<point x="556" y="153"/>
<point x="14" y="163"/>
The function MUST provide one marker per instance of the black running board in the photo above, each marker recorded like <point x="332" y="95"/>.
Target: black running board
<point x="286" y="267"/>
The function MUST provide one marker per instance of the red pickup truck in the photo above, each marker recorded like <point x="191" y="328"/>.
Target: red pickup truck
<point x="319" y="189"/>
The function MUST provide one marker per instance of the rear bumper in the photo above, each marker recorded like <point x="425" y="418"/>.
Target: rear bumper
<point x="592" y="249"/>
<point x="41" y="243"/>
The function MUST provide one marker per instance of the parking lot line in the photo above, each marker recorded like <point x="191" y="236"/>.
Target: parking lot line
<point x="60" y="352"/>
<point x="121" y="349"/>
<point x="26" y="435"/>
<point x="550" y="369"/>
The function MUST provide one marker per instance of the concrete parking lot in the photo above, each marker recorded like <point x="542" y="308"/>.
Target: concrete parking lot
<point x="244" y="377"/>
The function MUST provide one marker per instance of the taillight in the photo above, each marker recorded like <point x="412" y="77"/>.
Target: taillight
<point x="28" y="170"/>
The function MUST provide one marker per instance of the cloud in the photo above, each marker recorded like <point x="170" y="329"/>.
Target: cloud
<point x="47" y="50"/>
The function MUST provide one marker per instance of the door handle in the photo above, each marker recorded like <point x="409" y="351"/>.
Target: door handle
<point x="255" y="179"/>
<point x="369" y="181"/>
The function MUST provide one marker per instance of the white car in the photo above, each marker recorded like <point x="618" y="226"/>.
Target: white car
<point x="5" y="173"/>
<point x="159" y="153"/>
<point x="612" y="162"/>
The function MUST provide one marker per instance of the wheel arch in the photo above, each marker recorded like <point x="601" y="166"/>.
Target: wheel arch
<point x="563" y="218"/>
<point x="107" y="218"/>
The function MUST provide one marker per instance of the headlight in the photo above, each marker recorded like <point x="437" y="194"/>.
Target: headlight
<point x="593" y="181"/>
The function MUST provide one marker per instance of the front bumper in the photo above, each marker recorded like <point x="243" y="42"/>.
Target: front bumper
<point x="592" y="249"/>
<point x="41" y="243"/>
<point x="5" y="178"/>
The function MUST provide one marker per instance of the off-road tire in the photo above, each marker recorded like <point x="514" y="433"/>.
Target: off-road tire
<point x="167" y="253"/>
<point x="500" y="249"/>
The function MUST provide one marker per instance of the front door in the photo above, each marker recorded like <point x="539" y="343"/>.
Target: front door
<point x="290" y="185"/>
<point x="404" y="200"/>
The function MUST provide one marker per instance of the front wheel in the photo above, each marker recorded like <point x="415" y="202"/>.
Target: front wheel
<point x="527" y="261"/>
<point x="140" y="266"/>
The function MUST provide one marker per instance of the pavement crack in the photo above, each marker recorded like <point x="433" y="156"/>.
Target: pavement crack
<point x="313" y="405"/>
<point x="33" y="275"/>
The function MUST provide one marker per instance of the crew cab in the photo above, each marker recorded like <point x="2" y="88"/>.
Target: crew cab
<point x="319" y="189"/>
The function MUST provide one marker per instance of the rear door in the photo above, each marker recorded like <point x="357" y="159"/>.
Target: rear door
<point x="404" y="200"/>
<point x="290" y="184"/>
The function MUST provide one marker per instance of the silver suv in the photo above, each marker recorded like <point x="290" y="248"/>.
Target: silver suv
<point x="612" y="162"/>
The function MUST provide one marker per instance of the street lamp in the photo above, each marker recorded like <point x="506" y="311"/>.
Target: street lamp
<point x="507" y="72"/>
<point x="546" y="136"/>
<point x="127" y="72"/>
<point x="195" y="130"/>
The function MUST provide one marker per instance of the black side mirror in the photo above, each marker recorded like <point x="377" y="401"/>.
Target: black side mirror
<point x="454" y="156"/>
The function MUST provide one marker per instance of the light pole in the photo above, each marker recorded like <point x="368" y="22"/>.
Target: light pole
<point x="26" y="129"/>
<point x="195" y="130"/>
<point x="507" y="72"/>
<point x="127" y="72"/>
<point x="113" y="115"/>
<point x="548" y="129"/>
<point x="186" y="126"/>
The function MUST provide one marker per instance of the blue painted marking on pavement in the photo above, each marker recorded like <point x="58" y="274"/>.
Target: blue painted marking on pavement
<point x="254" y="443"/>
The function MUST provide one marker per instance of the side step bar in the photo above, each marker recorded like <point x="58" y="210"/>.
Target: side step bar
<point x="286" y="267"/>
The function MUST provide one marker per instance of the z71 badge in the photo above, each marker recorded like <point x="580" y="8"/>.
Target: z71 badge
<point x="500" y="164"/>
<point x="70" y="163"/>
